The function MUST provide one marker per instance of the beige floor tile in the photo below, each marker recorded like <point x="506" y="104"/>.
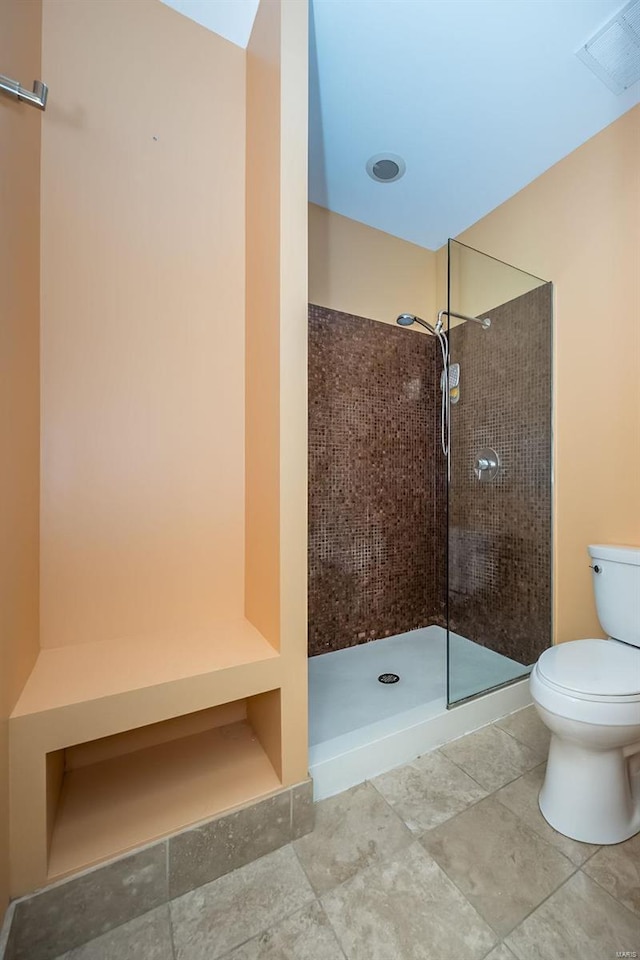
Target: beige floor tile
<point x="406" y="908"/>
<point x="521" y="796"/>
<point x="500" y="864"/>
<point x="428" y="791"/>
<point x="501" y="952"/>
<point x="352" y="830"/>
<point x="146" y="938"/>
<point x="307" y="935"/>
<point x="223" y="914"/>
<point x="617" y="869"/>
<point x="579" y="920"/>
<point x="492" y="757"/>
<point x="527" y="727"/>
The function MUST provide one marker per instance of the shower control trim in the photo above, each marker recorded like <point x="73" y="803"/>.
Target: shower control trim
<point x="487" y="465"/>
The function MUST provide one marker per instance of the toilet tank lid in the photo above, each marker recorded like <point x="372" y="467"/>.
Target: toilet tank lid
<point x="598" y="667"/>
<point x="619" y="554"/>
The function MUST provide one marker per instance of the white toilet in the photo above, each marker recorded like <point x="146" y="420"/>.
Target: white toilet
<point x="587" y="692"/>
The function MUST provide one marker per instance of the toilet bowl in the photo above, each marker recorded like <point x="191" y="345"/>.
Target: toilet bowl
<point x="587" y="692"/>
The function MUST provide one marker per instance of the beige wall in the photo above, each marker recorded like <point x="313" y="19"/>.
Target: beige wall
<point x="479" y="283"/>
<point x="579" y="226"/>
<point x="276" y="356"/>
<point x="19" y="304"/>
<point x="366" y="272"/>
<point x="142" y="323"/>
<point x="294" y="296"/>
<point x="262" y="358"/>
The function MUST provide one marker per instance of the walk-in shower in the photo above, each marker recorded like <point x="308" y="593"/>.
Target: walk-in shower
<point x="436" y="569"/>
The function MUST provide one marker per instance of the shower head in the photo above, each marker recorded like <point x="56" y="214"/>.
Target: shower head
<point x="407" y="319"/>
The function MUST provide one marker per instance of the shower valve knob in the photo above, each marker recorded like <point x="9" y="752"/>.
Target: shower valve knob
<point x="487" y="465"/>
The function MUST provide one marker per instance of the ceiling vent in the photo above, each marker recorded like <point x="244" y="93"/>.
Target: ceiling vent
<point x="614" y="52"/>
<point x="386" y="167"/>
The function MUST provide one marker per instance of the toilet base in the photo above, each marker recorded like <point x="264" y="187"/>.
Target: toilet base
<point x="589" y="794"/>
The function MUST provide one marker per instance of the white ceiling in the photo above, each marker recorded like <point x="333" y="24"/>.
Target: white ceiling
<point x="478" y="96"/>
<point x="232" y="19"/>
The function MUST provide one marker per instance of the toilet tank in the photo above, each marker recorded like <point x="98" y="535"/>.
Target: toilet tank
<point x="616" y="584"/>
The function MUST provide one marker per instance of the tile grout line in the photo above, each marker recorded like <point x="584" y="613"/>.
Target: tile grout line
<point x="264" y="930"/>
<point x="500" y="943"/>
<point x="496" y="723"/>
<point x="123" y="923"/>
<point x="412" y="838"/>
<point x="291" y="815"/>
<point x="168" y="905"/>
<point x="578" y="866"/>
<point x="5" y="928"/>
<point x="418" y="835"/>
<point x="501" y="937"/>
<point x="491" y="792"/>
<point x="304" y="870"/>
<point x="333" y="929"/>
<point x="597" y="882"/>
<point x="106" y="933"/>
<point x="465" y="898"/>
<point x="390" y="806"/>
<point x="542" y="902"/>
<point x="319" y="900"/>
<point x="171" y="937"/>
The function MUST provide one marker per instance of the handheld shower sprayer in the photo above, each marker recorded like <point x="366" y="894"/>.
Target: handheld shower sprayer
<point x="446" y="382"/>
<point x="407" y="319"/>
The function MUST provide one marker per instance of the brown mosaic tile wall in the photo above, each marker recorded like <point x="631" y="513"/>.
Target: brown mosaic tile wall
<point x="375" y="566"/>
<point x="500" y="531"/>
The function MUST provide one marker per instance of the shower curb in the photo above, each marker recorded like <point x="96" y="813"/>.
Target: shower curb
<point x="345" y="761"/>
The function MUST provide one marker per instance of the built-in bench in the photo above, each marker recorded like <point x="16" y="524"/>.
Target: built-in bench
<point x="115" y="744"/>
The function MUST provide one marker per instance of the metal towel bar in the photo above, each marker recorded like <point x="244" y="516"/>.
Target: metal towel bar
<point x="37" y="98"/>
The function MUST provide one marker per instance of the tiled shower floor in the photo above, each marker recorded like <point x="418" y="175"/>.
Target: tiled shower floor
<point x="345" y="694"/>
<point x="445" y="858"/>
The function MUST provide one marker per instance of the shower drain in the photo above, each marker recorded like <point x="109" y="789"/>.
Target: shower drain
<point x="388" y="678"/>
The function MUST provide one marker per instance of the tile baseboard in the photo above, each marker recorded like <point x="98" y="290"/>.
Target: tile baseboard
<point x="45" y="924"/>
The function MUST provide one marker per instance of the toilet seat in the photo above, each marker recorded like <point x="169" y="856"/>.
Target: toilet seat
<point x="592" y="681"/>
<point x="598" y="671"/>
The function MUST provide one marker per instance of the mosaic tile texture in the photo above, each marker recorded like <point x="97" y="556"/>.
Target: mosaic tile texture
<point x="500" y="531"/>
<point x="373" y="558"/>
<point x="378" y="534"/>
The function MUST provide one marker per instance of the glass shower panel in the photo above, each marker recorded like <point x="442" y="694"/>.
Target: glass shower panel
<point x="499" y="585"/>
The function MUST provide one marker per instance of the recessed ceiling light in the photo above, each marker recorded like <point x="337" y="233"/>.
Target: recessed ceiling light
<point x="386" y="167"/>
